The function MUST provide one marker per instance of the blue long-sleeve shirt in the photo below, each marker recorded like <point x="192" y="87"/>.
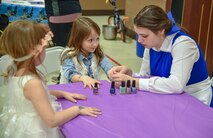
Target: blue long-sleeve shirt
<point x="69" y="67"/>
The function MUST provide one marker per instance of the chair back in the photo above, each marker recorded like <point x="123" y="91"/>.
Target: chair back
<point x="51" y="62"/>
<point x="5" y="61"/>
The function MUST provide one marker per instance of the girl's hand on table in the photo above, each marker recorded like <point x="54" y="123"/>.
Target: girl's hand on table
<point x="88" y="81"/>
<point x="90" y="111"/>
<point x="73" y="97"/>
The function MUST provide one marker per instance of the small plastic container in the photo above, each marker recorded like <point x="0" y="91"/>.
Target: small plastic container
<point x="109" y="32"/>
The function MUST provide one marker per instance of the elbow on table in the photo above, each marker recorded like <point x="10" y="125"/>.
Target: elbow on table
<point x="175" y="85"/>
<point x="178" y="89"/>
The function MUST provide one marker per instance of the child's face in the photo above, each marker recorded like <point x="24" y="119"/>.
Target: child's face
<point x="40" y="56"/>
<point x="90" y="44"/>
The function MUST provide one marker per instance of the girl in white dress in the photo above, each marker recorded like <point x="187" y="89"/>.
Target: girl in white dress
<point x="31" y="110"/>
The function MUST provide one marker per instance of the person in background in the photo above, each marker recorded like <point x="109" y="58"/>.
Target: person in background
<point x="31" y="110"/>
<point x="83" y="58"/>
<point x="4" y="21"/>
<point x="61" y="14"/>
<point x="172" y="62"/>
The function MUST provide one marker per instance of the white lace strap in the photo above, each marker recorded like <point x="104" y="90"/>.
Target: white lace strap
<point x="10" y="102"/>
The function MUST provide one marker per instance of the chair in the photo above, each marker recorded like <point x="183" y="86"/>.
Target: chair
<point x="5" y="61"/>
<point x="51" y="64"/>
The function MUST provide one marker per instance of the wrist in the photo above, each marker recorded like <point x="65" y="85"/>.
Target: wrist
<point x="80" y="107"/>
<point x="80" y="78"/>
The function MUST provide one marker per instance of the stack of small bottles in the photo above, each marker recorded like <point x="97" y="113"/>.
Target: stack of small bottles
<point x="125" y="88"/>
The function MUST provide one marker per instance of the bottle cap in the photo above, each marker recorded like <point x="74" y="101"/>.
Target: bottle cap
<point x="113" y="84"/>
<point x="122" y="83"/>
<point x="133" y="83"/>
<point x="128" y="84"/>
<point x="96" y="85"/>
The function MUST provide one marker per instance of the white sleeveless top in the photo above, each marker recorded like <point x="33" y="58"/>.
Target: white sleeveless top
<point x="19" y="118"/>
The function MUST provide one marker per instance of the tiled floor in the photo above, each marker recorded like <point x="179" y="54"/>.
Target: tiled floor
<point x="123" y="53"/>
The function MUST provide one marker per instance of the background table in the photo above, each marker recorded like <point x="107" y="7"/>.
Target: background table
<point x="141" y="115"/>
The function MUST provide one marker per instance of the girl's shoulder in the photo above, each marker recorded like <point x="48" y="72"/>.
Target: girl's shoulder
<point x="67" y="52"/>
<point x="28" y="78"/>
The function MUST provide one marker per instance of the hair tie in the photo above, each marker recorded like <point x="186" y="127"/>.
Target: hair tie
<point x="23" y="58"/>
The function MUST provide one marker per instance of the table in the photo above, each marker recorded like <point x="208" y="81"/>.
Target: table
<point x="141" y="115"/>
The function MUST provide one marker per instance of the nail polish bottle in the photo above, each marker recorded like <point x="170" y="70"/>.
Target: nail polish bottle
<point x="134" y="90"/>
<point x="112" y="89"/>
<point x="122" y="87"/>
<point x="95" y="89"/>
<point x="128" y="87"/>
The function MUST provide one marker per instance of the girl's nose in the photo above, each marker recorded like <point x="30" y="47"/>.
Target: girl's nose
<point x="96" y="43"/>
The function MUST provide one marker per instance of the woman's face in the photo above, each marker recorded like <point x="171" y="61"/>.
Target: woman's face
<point x="148" y="38"/>
<point x="90" y="44"/>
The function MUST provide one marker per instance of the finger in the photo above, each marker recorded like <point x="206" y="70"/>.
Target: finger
<point x="117" y="84"/>
<point x="92" y="115"/>
<point x="72" y="99"/>
<point x="98" y="82"/>
<point x="90" y="86"/>
<point x="81" y="97"/>
<point x="85" y="85"/>
<point x="77" y="97"/>
<point x="96" y="109"/>
<point x="95" y="112"/>
<point x="117" y="79"/>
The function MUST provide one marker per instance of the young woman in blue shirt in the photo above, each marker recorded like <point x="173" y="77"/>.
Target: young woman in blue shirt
<point x="172" y="61"/>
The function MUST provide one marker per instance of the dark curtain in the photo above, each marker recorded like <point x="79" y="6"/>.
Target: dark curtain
<point x="176" y="9"/>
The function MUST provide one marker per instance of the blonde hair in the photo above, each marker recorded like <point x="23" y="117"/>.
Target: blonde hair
<point x="81" y="29"/>
<point x="18" y="39"/>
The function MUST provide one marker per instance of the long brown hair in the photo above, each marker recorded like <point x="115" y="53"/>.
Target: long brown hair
<point x="81" y="30"/>
<point x="18" y="39"/>
<point x="153" y="18"/>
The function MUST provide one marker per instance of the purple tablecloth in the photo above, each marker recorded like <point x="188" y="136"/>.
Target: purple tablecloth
<point x="141" y="115"/>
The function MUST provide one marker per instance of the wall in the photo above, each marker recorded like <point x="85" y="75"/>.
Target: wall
<point x="131" y="7"/>
<point x="100" y="5"/>
<point x="200" y="26"/>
